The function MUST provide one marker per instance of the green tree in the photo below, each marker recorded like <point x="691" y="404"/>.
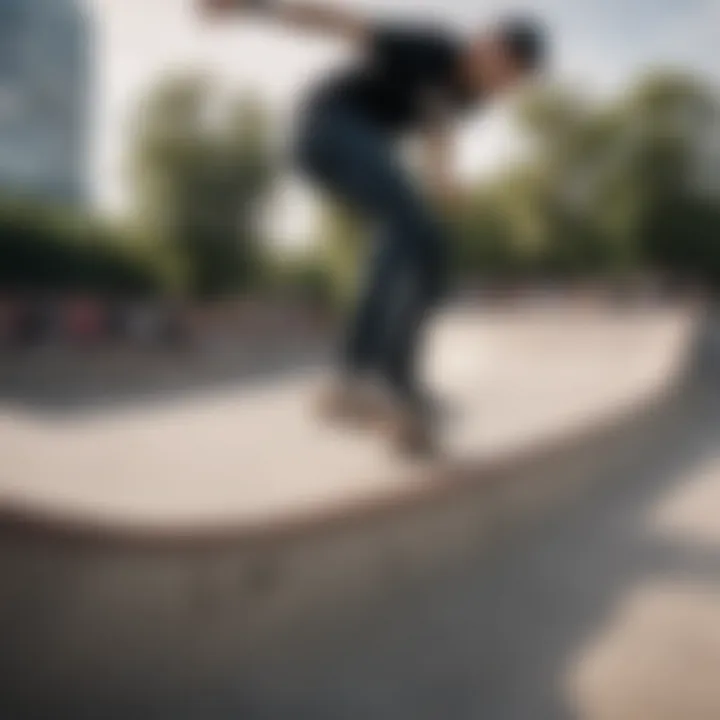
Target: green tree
<point x="341" y="250"/>
<point x="611" y="187"/>
<point x="679" y="225"/>
<point x="50" y="249"/>
<point x="200" y="172"/>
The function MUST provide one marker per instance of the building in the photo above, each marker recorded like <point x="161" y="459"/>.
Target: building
<point x="45" y="80"/>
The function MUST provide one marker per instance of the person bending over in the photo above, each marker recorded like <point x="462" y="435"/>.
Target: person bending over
<point x="408" y="79"/>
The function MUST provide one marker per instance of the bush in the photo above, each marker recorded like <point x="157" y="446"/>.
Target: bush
<point x="307" y="279"/>
<point x="48" y="249"/>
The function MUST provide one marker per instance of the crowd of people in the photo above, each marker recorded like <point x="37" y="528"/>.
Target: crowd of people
<point x="31" y="322"/>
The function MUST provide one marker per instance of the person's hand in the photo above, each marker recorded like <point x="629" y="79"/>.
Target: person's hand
<point x="453" y="198"/>
<point x="447" y="197"/>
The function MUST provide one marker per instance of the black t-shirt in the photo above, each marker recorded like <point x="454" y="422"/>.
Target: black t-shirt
<point x="408" y="76"/>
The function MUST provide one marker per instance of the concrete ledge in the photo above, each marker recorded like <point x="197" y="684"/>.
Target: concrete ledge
<point x="106" y="618"/>
<point x="249" y="455"/>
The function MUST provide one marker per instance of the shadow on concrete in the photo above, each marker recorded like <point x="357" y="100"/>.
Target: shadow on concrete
<point x="90" y="629"/>
<point x="60" y="383"/>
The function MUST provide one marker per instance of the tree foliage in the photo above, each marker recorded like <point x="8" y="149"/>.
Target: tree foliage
<point x="55" y="250"/>
<point x="608" y="188"/>
<point x="200" y="170"/>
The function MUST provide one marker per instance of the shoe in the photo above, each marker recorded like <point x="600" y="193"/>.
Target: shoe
<point x="346" y="401"/>
<point x="410" y="428"/>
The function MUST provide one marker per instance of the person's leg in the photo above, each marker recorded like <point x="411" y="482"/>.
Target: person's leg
<point x="356" y="164"/>
<point x="365" y="335"/>
<point x="419" y="288"/>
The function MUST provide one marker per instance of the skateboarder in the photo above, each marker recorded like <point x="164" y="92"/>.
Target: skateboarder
<point x="409" y="80"/>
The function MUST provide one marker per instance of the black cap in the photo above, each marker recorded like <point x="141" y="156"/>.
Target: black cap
<point x="526" y="39"/>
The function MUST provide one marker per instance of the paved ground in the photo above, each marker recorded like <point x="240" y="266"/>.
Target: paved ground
<point x="250" y="452"/>
<point x="608" y="610"/>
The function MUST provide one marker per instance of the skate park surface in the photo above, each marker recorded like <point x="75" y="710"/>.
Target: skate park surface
<point x="253" y="453"/>
<point x="223" y="554"/>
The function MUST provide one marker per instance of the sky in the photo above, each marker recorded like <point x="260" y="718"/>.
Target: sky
<point x="599" y="45"/>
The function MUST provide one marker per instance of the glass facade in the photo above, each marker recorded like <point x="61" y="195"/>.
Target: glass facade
<point x="45" y="79"/>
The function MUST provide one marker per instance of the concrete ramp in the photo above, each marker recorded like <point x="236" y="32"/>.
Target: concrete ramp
<point x="252" y="455"/>
<point x="225" y="556"/>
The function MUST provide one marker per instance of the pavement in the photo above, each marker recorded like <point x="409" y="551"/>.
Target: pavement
<point x="577" y="582"/>
<point x="251" y="453"/>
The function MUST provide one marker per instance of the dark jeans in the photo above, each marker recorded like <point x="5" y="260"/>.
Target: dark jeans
<point x="356" y="164"/>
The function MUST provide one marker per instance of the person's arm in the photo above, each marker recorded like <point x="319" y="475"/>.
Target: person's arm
<point x="438" y="158"/>
<point x="311" y="16"/>
<point x="438" y="166"/>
